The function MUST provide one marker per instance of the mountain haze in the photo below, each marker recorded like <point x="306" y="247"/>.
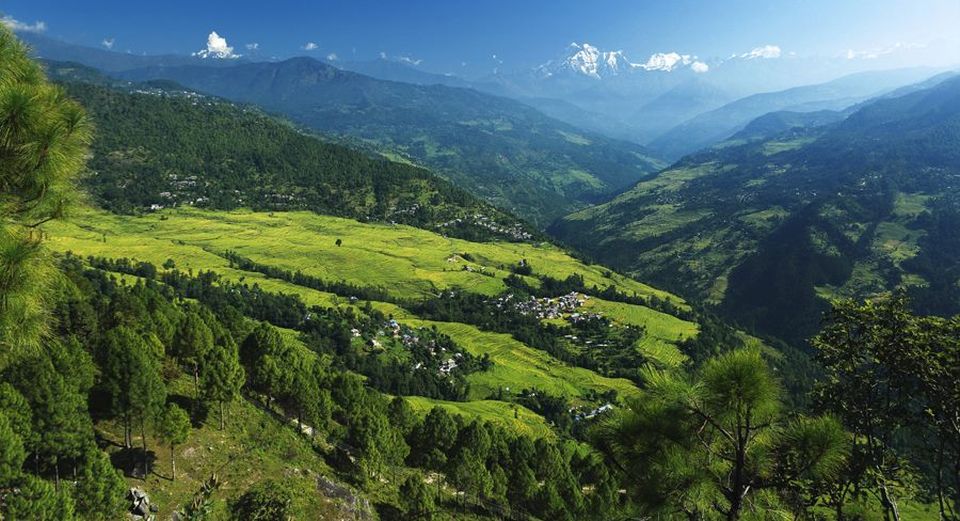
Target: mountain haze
<point x="851" y="208"/>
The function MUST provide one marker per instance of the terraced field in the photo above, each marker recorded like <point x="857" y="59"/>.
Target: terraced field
<point x="407" y="261"/>
<point x="404" y="261"/>
<point x="508" y="415"/>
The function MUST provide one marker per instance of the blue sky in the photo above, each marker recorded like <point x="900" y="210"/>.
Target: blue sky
<point x="463" y="36"/>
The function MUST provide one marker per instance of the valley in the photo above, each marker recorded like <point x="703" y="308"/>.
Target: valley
<point x="442" y="275"/>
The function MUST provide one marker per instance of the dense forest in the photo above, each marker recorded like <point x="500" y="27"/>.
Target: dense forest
<point x="161" y="146"/>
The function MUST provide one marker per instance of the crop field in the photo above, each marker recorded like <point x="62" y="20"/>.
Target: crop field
<point x="517" y="366"/>
<point x="514" y="417"/>
<point x="408" y="263"/>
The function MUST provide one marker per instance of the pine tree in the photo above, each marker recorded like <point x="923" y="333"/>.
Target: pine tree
<point x="101" y="490"/>
<point x="15" y="407"/>
<point x="266" y="357"/>
<point x="37" y="500"/>
<point x="401" y="415"/>
<point x="43" y="146"/>
<point x="703" y="446"/>
<point x="131" y="377"/>
<point x="416" y="498"/>
<point x="434" y="439"/>
<point x="59" y="420"/>
<point x="173" y="428"/>
<point x="192" y="342"/>
<point x="11" y="453"/>
<point x="222" y="376"/>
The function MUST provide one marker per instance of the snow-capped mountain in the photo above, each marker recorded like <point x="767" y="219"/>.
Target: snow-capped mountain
<point x="588" y="60"/>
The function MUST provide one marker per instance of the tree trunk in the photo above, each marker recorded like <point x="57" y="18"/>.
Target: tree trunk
<point x="738" y="490"/>
<point x="890" y="508"/>
<point x="56" y="471"/>
<point x="143" y="433"/>
<point x="196" y="387"/>
<point x="221" y="415"/>
<point x="173" y="465"/>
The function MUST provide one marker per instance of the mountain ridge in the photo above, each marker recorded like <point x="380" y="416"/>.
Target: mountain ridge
<point x="769" y="228"/>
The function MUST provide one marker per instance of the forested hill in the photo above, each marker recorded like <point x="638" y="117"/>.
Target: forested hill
<point x="499" y="149"/>
<point x="768" y="228"/>
<point x="160" y="147"/>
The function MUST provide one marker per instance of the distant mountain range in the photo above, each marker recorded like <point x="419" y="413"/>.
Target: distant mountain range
<point x="717" y="125"/>
<point x="499" y="149"/>
<point x="806" y="206"/>
<point x="658" y="101"/>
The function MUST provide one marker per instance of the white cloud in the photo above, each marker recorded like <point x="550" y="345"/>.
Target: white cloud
<point x="332" y="57"/>
<point x="252" y="46"/>
<point x="216" y="48"/>
<point x="383" y="55"/>
<point x="310" y="46"/>
<point x="107" y="42"/>
<point x="410" y="61"/>
<point x="699" y="67"/>
<point x="766" y="52"/>
<point x="17" y="25"/>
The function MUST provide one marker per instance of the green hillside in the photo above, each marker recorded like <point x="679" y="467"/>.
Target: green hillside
<point x="405" y="263"/>
<point x="161" y="147"/>
<point x="764" y="229"/>
<point x="499" y="149"/>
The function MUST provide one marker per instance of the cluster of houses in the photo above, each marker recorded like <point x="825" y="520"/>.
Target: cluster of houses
<point x="165" y="93"/>
<point x="544" y="308"/>
<point x="410" y="339"/>
<point x="579" y="415"/>
<point x="514" y="232"/>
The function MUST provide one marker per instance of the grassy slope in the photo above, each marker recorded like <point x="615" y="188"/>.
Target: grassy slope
<point x="502" y="413"/>
<point x="253" y="447"/>
<point x="407" y="262"/>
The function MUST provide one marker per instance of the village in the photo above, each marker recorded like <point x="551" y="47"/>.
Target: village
<point x="545" y="308"/>
<point x="428" y="349"/>
<point x="514" y="232"/>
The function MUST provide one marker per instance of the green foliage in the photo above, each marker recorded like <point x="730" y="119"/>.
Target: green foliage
<point x="401" y="415"/>
<point x="263" y="353"/>
<point x="222" y="376"/>
<point x="43" y="146"/>
<point x="719" y="444"/>
<point x="131" y="378"/>
<point x="38" y="500"/>
<point x="192" y="342"/>
<point x="100" y="493"/>
<point x="266" y="501"/>
<point x="416" y="498"/>
<point x="433" y="439"/>
<point x="11" y="453"/>
<point x="505" y="151"/>
<point x="60" y="425"/>
<point x="767" y="229"/>
<point x="167" y="149"/>
<point x="891" y="377"/>
<point x="173" y="428"/>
